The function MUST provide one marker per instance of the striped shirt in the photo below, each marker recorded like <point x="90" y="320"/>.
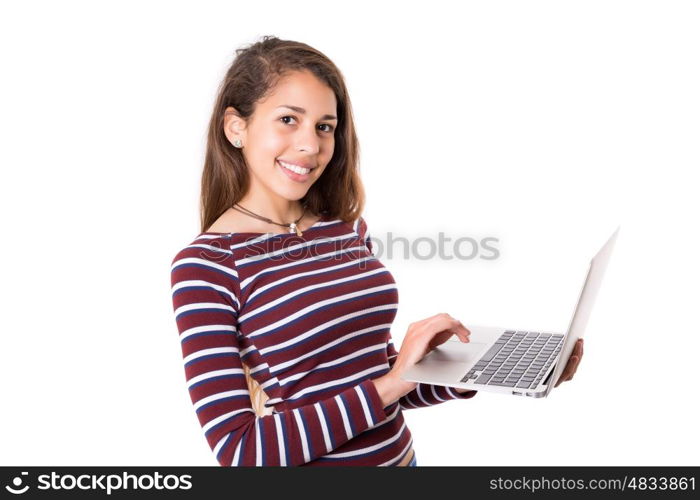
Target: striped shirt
<point x="311" y="316"/>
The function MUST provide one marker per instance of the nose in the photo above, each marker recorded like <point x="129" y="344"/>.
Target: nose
<point x="307" y="139"/>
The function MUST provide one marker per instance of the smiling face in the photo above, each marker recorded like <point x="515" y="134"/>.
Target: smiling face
<point x="290" y="132"/>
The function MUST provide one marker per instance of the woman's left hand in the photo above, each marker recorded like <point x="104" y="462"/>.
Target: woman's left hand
<point x="572" y="364"/>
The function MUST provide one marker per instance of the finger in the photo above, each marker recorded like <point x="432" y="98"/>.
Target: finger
<point x="444" y="336"/>
<point x="457" y="327"/>
<point x="570" y="369"/>
<point x="461" y="335"/>
<point x="574" y="355"/>
<point x="564" y="377"/>
<point x="447" y="322"/>
<point x="578" y="362"/>
<point x="439" y="338"/>
<point x="573" y="363"/>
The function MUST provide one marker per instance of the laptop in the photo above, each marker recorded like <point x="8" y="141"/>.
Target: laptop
<point x="509" y="361"/>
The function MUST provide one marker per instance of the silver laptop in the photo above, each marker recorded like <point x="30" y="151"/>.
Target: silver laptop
<point x="509" y="361"/>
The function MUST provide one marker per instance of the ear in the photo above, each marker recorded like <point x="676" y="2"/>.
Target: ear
<point x="234" y="125"/>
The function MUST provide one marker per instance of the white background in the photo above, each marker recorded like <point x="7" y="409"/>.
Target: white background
<point x="544" y="124"/>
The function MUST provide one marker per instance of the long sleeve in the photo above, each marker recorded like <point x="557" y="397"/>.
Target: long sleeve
<point x="424" y="394"/>
<point x="205" y="295"/>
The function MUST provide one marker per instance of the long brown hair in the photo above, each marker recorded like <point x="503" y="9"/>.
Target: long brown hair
<point x="255" y="71"/>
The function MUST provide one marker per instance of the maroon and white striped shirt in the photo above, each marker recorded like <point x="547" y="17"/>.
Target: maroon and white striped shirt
<point x="311" y="316"/>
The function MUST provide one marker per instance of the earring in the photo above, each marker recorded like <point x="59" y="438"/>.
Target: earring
<point x="238" y="143"/>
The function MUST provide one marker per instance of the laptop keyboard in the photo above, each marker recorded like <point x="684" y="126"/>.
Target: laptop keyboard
<point x="517" y="359"/>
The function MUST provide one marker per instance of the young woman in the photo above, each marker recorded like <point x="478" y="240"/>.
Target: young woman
<point x="284" y="313"/>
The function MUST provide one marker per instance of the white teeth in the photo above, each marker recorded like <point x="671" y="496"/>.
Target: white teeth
<point x="294" y="168"/>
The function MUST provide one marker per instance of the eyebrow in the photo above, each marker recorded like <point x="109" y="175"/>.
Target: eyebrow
<point x="302" y="111"/>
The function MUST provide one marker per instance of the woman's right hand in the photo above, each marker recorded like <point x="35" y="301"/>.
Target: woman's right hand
<point x="425" y="335"/>
<point x="421" y="337"/>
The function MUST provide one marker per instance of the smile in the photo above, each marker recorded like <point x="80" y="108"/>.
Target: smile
<point x="294" y="168"/>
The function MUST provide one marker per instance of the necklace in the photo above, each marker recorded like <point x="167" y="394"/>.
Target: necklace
<point x="292" y="226"/>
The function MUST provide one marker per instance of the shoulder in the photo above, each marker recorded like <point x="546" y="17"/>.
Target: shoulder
<point x="208" y="256"/>
<point x="206" y="245"/>
<point x="360" y="227"/>
<point x="203" y="273"/>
